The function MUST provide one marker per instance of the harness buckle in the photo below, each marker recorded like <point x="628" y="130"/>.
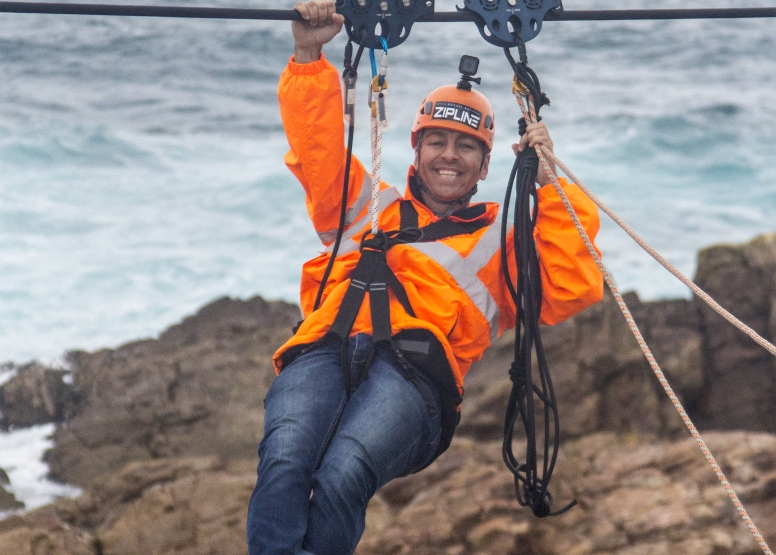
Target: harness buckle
<point x="406" y="235"/>
<point x="377" y="243"/>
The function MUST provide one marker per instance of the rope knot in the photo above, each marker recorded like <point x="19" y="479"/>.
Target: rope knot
<point x="517" y="374"/>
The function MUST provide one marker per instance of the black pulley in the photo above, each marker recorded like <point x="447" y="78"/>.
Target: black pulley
<point x="504" y="22"/>
<point x="389" y="19"/>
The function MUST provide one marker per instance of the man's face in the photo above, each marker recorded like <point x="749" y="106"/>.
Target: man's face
<point x="450" y="163"/>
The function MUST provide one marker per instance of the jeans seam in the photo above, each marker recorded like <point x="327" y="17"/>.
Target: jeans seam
<point x="330" y="434"/>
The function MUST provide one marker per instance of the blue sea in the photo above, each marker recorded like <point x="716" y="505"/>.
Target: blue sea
<point x="141" y="171"/>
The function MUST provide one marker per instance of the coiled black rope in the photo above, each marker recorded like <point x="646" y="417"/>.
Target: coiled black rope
<point x="531" y="484"/>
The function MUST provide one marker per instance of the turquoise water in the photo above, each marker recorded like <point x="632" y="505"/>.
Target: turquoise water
<point x="141" y="170"/>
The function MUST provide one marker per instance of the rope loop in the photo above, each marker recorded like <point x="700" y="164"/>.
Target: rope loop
<point x="529" y="394"/>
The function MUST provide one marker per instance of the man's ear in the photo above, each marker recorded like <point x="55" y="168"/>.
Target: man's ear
<point x="484" y="168"/>
<point x="416" y="163"/>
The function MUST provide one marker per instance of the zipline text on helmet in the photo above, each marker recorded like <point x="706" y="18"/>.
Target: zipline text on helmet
<point x="458" y="108"/>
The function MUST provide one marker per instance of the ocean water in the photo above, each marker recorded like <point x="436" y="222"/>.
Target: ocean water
<point x="141" y="170"/>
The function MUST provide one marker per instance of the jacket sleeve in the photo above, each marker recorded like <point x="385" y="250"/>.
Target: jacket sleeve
<point x="310" y="101"/>
<point x="571" y="280"/>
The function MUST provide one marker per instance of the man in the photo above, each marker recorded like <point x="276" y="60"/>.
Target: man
<point x="344" y="417"/>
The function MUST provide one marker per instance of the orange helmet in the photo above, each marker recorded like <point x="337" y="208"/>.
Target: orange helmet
<point x="451" y="107"/>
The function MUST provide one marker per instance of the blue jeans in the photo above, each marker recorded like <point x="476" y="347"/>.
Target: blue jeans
<point x="323" y="455"/>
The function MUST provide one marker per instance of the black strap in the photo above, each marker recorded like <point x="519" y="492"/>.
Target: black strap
<point x="448" y="228"/>
<point x="360" y="281"/>
<point x="373" y="274"/>
<point x="409" y="216"/>
<point x="466" y="221"/>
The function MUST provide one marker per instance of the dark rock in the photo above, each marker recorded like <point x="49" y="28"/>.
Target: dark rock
<point x="191" y="506"/>
<point x="601" y="377"/>
<point x="634" y="497"/>
<point x="35" y="395"/>
<point x="739" y="390"/>
<point x="8" y="501"/>
<point x="197" y="390"/>
<point x="163" y="436"/>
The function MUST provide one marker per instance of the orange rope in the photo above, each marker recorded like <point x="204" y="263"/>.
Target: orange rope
<point x="530" y="115"/>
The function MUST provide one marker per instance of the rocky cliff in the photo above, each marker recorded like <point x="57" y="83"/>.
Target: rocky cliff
<point x="161" y="433"/>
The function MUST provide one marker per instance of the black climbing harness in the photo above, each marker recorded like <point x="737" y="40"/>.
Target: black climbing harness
<point x="417" y="350"/>
<point x="372" y="273"/>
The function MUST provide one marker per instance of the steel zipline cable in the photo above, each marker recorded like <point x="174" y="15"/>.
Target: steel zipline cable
<point x="204" y="12"/>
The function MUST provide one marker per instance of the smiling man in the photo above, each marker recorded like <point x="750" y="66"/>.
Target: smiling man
<point x="369" y="387"/>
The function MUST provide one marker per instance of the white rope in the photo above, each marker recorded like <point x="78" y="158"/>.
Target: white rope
<point x="530" y="116"/>
<point x="377" y="141"/>
<point x="379" y="122"/>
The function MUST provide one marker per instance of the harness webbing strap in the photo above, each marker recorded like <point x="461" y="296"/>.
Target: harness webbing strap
<point x="409" y="216"/>
<point x="379" y="304"/>
<point x="354" y="296"/>
<point x="373" y="274"/>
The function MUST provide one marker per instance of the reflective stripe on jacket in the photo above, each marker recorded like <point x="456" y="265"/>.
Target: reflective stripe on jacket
<point x="455" y="285"/>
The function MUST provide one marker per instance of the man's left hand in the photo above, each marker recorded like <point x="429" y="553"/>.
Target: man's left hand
<point x="536" y="134"/>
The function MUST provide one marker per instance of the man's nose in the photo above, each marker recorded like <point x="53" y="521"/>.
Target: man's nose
<point x="450" y="152"/>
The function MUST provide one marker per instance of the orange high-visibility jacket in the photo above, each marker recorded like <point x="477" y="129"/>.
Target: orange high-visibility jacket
<point x="455" y="285"/>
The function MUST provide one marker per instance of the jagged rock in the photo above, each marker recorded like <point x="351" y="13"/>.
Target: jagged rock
<point x="196" y="390"/>
<point x="8" y="501"/>
<point x="192" y="506"/>
<point x="201" y="511"/>
<point x="633" y="497"/>
<point x="601" y="377"/>
<point x="35" y="395"/>
<point x="740" y="381"/>
<point x="44" y="532"/>
<point x="164" y="432"/>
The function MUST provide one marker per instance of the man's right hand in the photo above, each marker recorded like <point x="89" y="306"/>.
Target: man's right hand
<point x="321" y="24"/>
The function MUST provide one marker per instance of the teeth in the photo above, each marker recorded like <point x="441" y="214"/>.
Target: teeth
<point x="448" y="173"/>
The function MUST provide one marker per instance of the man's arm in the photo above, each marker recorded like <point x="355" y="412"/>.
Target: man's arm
<point x="310" y="100"/>
<point x="571" y="280"/>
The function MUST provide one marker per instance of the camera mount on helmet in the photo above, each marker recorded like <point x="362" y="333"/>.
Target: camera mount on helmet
<point x="468" y="68"/>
